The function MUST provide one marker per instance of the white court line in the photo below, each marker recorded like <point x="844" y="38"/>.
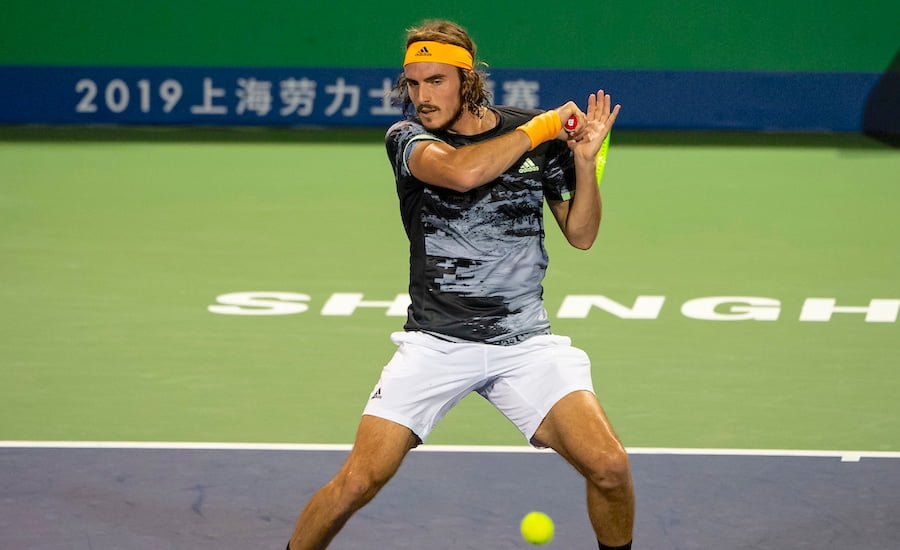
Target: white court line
<point x="845" y="456"/>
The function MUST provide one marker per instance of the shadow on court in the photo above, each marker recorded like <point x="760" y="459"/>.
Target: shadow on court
<point x="238" y="500"/>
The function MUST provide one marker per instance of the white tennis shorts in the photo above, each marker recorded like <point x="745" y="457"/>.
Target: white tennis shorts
<point x="427" y="376"/>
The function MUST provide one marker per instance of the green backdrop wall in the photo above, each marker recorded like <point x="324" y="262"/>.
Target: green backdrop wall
<point x="745" y="35"/>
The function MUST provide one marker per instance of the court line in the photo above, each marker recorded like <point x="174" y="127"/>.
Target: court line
<point x="844" y="455"/>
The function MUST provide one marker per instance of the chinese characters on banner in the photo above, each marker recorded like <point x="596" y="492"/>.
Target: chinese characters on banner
<point x="292" y="96"/>
<point x="326" y="97"/>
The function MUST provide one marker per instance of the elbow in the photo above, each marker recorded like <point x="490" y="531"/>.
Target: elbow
<point x="460" y="171"/>
<point x="583" y="244"/>
<point x="461" y="174"/>
<point x="583" y="240"/>
<point x="464" y="184"/>
<point x="465" y="180"/>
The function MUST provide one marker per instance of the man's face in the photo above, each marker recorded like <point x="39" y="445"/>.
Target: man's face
<point x="434" y="89"/>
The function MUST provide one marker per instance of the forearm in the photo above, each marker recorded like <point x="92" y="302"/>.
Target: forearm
<point x="468" y="167"/>
<point x="493" y="157"/>
<point x="582" y="218"/>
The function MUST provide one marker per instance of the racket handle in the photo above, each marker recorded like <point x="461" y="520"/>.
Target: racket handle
<point x="571" y="124"/>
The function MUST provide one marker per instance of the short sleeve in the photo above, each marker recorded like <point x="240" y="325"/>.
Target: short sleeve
<point x="401" y="140"/>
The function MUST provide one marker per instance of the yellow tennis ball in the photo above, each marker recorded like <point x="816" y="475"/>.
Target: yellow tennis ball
<point x="537" y="528"/>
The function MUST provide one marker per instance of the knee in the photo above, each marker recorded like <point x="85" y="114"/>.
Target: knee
<point x="609" y="470"/>
<point x="358" y="487"/>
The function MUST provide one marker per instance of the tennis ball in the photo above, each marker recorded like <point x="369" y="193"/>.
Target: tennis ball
<point x="537" y="528"/>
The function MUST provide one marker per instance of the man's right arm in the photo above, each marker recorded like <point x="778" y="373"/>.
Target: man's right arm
<point x="466" y="168"/>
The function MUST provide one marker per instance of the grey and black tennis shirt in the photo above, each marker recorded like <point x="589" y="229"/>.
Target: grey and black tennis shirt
<point x="477" y="259"/>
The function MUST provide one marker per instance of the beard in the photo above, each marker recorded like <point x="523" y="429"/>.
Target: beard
<point x="447" y="125"/>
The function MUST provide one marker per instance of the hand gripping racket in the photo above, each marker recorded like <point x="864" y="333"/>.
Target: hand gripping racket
<point x="571" y="125"/>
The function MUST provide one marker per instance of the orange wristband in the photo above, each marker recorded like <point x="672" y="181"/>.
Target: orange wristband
<point x="543" y="127"/>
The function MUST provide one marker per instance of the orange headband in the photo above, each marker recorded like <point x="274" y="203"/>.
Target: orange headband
<point x="438" y="52"/>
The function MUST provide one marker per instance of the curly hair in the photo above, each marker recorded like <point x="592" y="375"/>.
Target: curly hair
<point x="473" y="91"/>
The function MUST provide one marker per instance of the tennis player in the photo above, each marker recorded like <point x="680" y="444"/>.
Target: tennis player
<point x="471" y="180"/>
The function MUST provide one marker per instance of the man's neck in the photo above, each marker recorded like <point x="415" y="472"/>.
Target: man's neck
<point x="470" y="124"/>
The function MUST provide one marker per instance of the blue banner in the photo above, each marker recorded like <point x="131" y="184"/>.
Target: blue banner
<point x="775" y="101"/>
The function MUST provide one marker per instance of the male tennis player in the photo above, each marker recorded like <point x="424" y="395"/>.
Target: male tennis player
<point x="472" y="179"/>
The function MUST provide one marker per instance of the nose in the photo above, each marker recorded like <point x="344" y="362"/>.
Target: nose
<point x="421" y="94"/>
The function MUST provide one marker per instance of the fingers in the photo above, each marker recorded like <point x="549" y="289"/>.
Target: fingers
<point x="599" y="110"/>
<point x="593" y="109"/>
<point x="600" y="106"/>
<point x="612" y="116"/>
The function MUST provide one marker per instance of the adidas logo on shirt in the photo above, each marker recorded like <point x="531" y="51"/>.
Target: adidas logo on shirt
<point x="528" y="166"/>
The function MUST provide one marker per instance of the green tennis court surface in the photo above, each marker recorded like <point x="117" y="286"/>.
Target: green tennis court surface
<point x="114" y="244"/>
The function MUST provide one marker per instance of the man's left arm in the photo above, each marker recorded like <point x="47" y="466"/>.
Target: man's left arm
<point x="579" y="217"/>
